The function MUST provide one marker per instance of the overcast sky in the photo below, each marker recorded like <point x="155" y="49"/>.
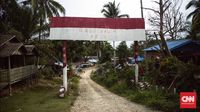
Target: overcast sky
<point x="92" y="8"/>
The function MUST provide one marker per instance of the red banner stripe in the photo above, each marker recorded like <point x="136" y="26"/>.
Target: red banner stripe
<point x="109" y="23"/>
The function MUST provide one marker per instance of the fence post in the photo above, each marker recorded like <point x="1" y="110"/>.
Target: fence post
<point x="9" y="77"/>
<point x="174" y="90"/>
<point x="163" y="88"/>
<point x="156" y="88"/>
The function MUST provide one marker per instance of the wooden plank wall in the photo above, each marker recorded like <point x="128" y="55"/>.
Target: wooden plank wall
<point x="4" y="75"/>
<point x="16" y="74"/>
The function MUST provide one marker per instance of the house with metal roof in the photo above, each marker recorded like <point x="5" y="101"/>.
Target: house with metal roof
<point x="184" y="49"/>
<point x="17" y="61"/>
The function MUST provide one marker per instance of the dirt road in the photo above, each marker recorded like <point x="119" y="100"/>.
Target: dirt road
<point x="95" y="98"/>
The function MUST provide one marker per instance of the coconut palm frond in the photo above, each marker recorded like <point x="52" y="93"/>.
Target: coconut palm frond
<point x="111" y="10"/>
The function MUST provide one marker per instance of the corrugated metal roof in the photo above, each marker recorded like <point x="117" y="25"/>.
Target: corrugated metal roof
<point x="171" y="45"/>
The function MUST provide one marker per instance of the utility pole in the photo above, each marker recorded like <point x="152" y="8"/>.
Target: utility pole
<point x="136" y="51"/>
<point x="145" y="43"/>
<point x="141" y="4"/>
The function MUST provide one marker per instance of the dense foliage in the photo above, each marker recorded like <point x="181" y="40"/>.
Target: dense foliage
<point x="169" y="73"/>
<point x="174" y="73"/>
<point x="195" y="15"/>
<point x="122" y="52"/>
<point x="121" y="82"/>
<point x="29" y="18"/>
<point x="107" y="52"/>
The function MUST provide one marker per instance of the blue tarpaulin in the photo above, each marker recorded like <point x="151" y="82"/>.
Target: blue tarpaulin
<point x="139" y="59"/>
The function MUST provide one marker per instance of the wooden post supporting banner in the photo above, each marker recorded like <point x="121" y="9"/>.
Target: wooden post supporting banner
<point x="65" y="65"/>
<point x="136" y="64"/>
<point x="136" y="73"/>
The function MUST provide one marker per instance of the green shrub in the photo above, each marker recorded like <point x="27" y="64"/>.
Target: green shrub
<point x="187" y="80"/>
<point x="46" y="73"/>
<point x="98" y="78"/>
<point x="119" y="87"/>
<point x="156" y="103"/>
<point x="128" y="74"/>
<point x="111" y="79"/>
<point x="120" y="83"/>
<point x="169" y="69"/>
<point x="139" y="97"/>
<point x="75" y="79"/>
<point x="73" y="85"/>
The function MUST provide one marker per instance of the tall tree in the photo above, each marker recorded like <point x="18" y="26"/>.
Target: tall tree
<point x="173" y="20"/>
<point x="18" y="23"/>
<point x="44" y="9"/>
<point x="196" y="5"/>
<point x="122" y="52"/>
<point x="107" y="52"/>
<point x="111" y="10"/>
<point x="195" y="15"/>
<point x="159" y="21"/>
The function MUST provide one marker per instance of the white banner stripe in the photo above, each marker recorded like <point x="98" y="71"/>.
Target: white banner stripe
<point x="97" y="34"/>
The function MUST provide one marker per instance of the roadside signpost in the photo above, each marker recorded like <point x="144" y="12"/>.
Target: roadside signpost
<point x="65" y="65"/>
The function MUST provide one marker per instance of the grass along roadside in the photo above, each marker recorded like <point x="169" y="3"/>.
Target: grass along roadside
<point x="41" y="98"/>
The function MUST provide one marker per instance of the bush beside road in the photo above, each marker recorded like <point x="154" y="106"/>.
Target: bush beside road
<point x="120" y="83"/>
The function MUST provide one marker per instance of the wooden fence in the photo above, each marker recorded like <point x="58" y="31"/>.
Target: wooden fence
<point x="16" y="74"/>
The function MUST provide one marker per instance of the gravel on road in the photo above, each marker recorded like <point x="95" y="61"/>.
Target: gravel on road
<point x="95" y="98"/>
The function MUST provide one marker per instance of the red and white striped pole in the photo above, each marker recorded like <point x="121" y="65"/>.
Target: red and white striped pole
<point x="65" y="64"/>
<point x="136" y="63"/>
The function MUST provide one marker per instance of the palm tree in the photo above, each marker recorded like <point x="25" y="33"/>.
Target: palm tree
<point x="195" y="28"/>
<point x="196" y="5"/>
<point x="44" y="9"/>
<point x="110" y="10"/>
<point x="19" y="23"/>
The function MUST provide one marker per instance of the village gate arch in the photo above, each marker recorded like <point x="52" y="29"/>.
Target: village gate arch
<point x="95" y="29"/>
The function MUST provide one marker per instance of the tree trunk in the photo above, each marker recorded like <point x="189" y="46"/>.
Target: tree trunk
<point x="40" y="31"/>
<point x="164" y="44"/>
<point x="99" y="49"/>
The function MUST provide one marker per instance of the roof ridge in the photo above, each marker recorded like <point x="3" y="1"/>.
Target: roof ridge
<point x="9" y="37"/>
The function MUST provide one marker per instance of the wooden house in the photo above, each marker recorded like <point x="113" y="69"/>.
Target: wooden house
<point x="17" y="61"/>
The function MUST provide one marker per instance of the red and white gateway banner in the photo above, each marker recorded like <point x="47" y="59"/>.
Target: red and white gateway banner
<point x="97" y="29"/>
